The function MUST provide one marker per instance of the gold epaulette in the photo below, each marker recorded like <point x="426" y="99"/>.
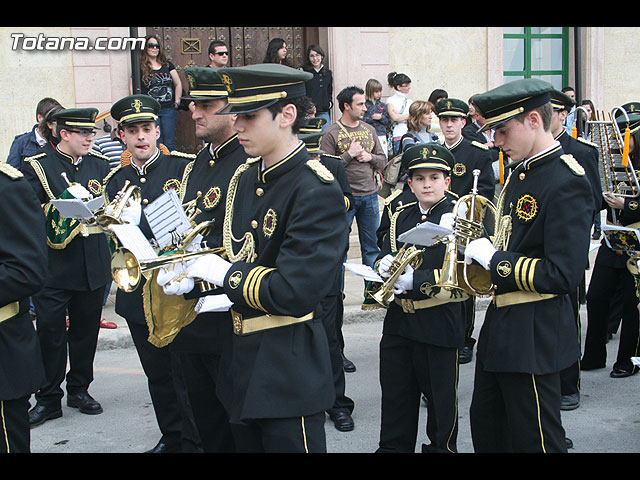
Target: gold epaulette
<point x="587" y="142"/>
<point x="320" y="170"/>
<point x="392" y="197"/>
<point x="176" y="153"/>
<point x="35" y="157"/>
<point x="479" y="145"/>
<point x="99" y="155"/>
<point x="453" y="194"/>
<point x="12" y="172"/>
<point x="573" y="164"/>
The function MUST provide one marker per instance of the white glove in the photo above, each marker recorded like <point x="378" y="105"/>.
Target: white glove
<point x="131" y="213"/>
<point x="404" y="281"/>
<point x="383" y="266"/>
<point x="480" y="250"/>
<point x="448" y="220"/>
<point x="174" y="280"/>
<point x="79" y="191"/>
<point x="211" y="268"/>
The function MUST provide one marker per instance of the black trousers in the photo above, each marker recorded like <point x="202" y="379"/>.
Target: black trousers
<point x="331" y="306"/>
<point x="80" y="339"/>
<point x="604" y="285"/>
<point x="516" y="412"/>
<point x="408" y="369"/>
<point x="200" y="374"/>
<point x="282" y="435"/>
<point x="158" y="366"/>
<point x="570" y="377"/>
<point x="14" y="426"/>
<point x="469" y="309"/>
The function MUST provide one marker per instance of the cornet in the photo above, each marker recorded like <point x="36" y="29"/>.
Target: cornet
<point x="127" y="270"/>
<point x="469" y="225"/>
<point x="407" y="255"/>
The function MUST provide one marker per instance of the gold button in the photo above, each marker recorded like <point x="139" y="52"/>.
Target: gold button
<point x="423" y="218"/>
<point x="259" y="192"/>
<point x="255" y="257"/>
<point x="212" y="163"/>
<point x="522" y="175"/>
<point x="142" y="179"/>
<point x="145" y="201"/>
<point x="254" y="224"/>
<point x="198" y="193"/>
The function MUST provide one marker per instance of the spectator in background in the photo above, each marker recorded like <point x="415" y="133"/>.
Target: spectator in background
<point x="377" y="114"/>
<point x="160" y="80"/>
<point x="320" y="87"/>
<point x="276" y="52"/>
<point x="418" y="125"/>
<point x="29" y="143"/>
<point x="110" y="145"/>
<point x="398" y="106"/>
<point x="571" y="119"/>
<point x="434" y="97"/>
<point x="218" y="54"/>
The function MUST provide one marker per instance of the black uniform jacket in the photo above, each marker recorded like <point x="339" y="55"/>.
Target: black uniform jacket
<point x="470" y="156"/>
<point x="159" y="174"/>
<point x="334" y="164"/>
<point x="207" y="179"/>
<point x="84" y="263"/>
<point x="23" y="266"/>
<point x="295" y="213"/>
<point x="441" y="325"/>
<point x="548" y="202"/>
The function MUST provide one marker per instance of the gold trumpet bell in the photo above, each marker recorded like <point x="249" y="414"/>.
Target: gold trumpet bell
<point x="125" y="270"/>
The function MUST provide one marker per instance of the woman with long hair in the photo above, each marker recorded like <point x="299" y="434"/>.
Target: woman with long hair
<point x="320" y="87"/>
<point x="276" y="52"/>
<point x="160" y="80"/>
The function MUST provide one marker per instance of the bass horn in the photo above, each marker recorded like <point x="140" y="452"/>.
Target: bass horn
<point x="474" y="218"/>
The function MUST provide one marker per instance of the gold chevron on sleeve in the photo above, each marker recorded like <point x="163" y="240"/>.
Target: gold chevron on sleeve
<point x="251" y="288"/>
<point x="524" y="272"/>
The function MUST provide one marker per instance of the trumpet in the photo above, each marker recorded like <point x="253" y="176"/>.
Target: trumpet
<point x="111" y="214"/>
<point x="407" y="255"/>
<point x="469" y="225"/>
<point x="127" y="270"/>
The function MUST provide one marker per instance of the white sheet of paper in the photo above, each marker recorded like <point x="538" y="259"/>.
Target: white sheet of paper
<point x="165" y="214"/>
<point x="214" y="303"/>
<point x="635" y="361"/>
<point x="425" y="234"/>
<point x="76" y="208"/>
<point x="364" y="271"/>
<point x="132" y="238"/>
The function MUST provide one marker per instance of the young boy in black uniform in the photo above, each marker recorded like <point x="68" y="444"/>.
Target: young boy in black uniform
<point x="424" y="326"/>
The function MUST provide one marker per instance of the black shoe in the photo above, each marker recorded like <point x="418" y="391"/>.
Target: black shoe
<point x="342" y="421"/>
<point x="568" y="442"/>
<point x="348" y="365"/>
<point x="162" y="447"/>
<point x="40" y="414"/>
<point x="621" y="373"/>
<point x="570" y="402"/>
<point x="465" y="355"/>
<point x="84" y="403"/>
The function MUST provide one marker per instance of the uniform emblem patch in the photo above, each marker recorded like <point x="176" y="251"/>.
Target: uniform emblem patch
<point x="459" y="169"/>
<point x="504" y="268"/>
<point x="633" y="205"/>
<point x="94" y="186"/>
<point x="527" y="208"/>
<point x="269" y="223"/>
<point x="212" y="197"/>
<point x="173" y="183"/>
<point x="235" y="279"/>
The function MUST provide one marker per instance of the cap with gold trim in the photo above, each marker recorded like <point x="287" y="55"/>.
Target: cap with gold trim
<point x="204" y="84"/>
<point x="632" y="118"/>
<point x="451" y="107"/>
<point x="135" y="108"/>
<point x="428" y="155"/>
<point x="502" y="103"/>
<point x="561" y="101"/>
<point x="313" y="125"/>
<point x="254" y="87"/>
<point x="311" y="141"/>
<point x="84" y="118"/>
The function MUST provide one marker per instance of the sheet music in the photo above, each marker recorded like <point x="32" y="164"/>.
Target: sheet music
<point x="364" y="271"/>
<point x="132" y="238"/>
<point x="76" y="208"/>
<point x="618" y="237"/>
<point x="424" y="234"/>
<point x="166" y="215"/>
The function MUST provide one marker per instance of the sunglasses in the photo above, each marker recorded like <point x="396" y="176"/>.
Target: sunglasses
<point x="222" y="53"/>
<point x="153" y="45"/>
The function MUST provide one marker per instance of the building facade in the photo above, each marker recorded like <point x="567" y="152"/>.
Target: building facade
<point x="601" y="62"/>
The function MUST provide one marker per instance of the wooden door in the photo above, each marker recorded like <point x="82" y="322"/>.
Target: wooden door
<point x="188" y="46"/>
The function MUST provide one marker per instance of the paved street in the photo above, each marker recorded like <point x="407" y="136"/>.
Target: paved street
<point x="607" y="421"/>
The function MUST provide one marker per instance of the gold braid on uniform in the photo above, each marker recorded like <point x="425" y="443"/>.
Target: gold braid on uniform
<point x="503" y="222"/>
<point x="185" y="177"/>
<point x="105" y="181"/>
<point x="247" y="250"/>
<point x="41" y="175"/>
